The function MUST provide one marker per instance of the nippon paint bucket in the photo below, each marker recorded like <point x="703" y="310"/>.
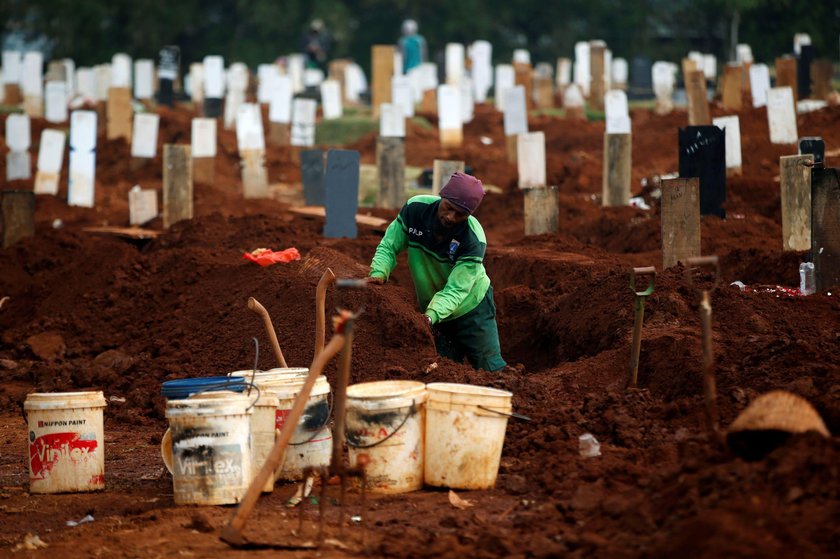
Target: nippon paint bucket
<point x="465" y="431"/>
<point x="311" y="443"/>
<point x="386" y="422"/>
<point x="262" y="435"/>
<point x="208" y="448"/>
<point x="272" y="375"/>
<point x="66" y="441"/>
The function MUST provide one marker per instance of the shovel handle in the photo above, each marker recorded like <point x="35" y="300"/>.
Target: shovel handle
<point x="255" y="306"/>
<point x="647" y="271"/>
<point x="693" y="262"/>
<point x="320" y="316"/>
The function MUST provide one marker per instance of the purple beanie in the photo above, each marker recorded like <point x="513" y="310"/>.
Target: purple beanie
<point x="464" y="191"/>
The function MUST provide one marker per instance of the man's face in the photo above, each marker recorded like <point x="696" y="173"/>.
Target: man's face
<point x="449" y="215"/>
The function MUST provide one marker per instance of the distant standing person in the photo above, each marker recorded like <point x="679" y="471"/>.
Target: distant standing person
<point x="315" y="44"/>
<point x="412" y="46"/>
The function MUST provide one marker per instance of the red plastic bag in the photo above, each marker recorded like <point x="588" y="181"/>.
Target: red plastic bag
<point x="267" y="257"/>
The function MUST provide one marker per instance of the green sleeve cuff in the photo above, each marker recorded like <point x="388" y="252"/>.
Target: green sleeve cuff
<point x="375" y="274"/>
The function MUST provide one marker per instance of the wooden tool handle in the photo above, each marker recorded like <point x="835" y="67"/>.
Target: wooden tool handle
<point x="320" y="302"/>
<point x="255" y="306"/>
<point x="275" y="457"/>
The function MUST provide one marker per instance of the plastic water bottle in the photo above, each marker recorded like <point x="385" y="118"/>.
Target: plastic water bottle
<point x="807" y="283"/>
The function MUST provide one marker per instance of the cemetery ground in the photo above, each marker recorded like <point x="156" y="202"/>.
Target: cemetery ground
<point x="93" y="311"/>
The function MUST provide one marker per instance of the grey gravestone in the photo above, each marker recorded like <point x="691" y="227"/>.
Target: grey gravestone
<point x="825" y="226"/>
<point x="342" y="189"/>
<point x="169" y="62"/>
<point x="312" y="174"/>
<point x="803" y="70"/>
<point x="815" y="146"/>
<point x="703" y="155"/>
<point x="641" y="78"/>
<point x="212" y="107"/>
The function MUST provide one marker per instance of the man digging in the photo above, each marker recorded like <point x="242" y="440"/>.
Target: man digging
<point x="446" y="247"/>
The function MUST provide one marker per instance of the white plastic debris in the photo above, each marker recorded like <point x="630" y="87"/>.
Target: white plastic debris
<point x="589" y="447"/>
<point x="57" y="224"/>
<point x="639" y="202"/>
<point x="739" y="284"/>
<point x="74" y="523"/>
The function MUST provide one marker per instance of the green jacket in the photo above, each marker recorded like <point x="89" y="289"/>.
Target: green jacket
<point x="449" y="276"/>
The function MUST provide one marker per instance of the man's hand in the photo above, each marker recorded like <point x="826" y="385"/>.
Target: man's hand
<point x="375" y="281"/>
<point x="428" y="320"/>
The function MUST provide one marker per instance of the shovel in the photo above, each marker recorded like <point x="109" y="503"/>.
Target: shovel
<point x="639" y="308"/>
<point x="255" y="306"/>
<point x="709" y="388"/>
<point x="320" y="313"/>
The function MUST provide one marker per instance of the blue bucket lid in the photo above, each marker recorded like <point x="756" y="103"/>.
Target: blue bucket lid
<point x="186" y="387"/>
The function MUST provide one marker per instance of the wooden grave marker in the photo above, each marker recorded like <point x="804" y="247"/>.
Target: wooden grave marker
<point x="383" y="71"/>
<point x="402" y="96"/>
<point x="203" y="144"/>
<point x="331" y="99"/>
<point x="703" y="155"/>
<point x="689" y="65"/>
<point x="825" y="226"/>
<point x="759" y="84"/>
<point x="303" y="122"/>
<point x="505" y="79"/>
<point x="197" y="86"/>
<point x="144" y="79"/>
<point x="786" y="74"/>
<point x="563" y="73"/>
<point x="50" y="159"/>
<point x="142" y="205"/>
<point x="530" y="160"/>
<point x="391" y="121"/>
<point x="573" y="102"/>
<point x="524" y="77"/>
<point x="450" y="121"/>
<point x="144" y="136"/>
<point x="542" y="210"/>
<point x="169" y="63"/>
<point x="732" y="78"/>
<point x="390" y="164"/>
<point x="618" y="146"/>
<point x="781" y="115"/>
<point x="515" y="118"/>
<point x="12" y="71"/>
<point x="82" y="168"/>
<point x="177" y="184"/>
<point x="312" y="176"/>
<point x="442" y="171"/>
<point x="620" y="71"/>
<point x="698" y="104"/>
<point x="55" y="97"/>
<point x="731" y="126"/>
<point x="17" y="216"/>
<point x="102" y="73"/>
<point x="795" y="180"/>
<point x="120" y="113"/>
<point x="250" y="140"/>
<point x="280" y="111"/>
<point x="341" y="183"/>
<point x="544" y="88"/>
<point x="822" y="72"/>
<point x="680" y="220"/>
<point x="18" y="140"/>
<point x="597" y="67"/>
<point x="815" y="146"/>
<point x="32" y="84"/>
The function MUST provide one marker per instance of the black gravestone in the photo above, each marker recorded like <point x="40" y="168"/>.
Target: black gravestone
<point x="312" y="174"/>
<point x="641" y="78"/>
<point x="825" y="227"/>
<point x="342" y="189"/>
<point x="212" y="107"/>
<point x="803" y="70"/>
<point x="169" y="62"/>
<point x="815" y="146"/>
<point x="703" y="155"/>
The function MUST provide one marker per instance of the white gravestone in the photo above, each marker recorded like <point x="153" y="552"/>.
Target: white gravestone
<point x="731" y="127"/>
<point x="454" y="63"/>
<point x="481" y="56"/>
<point x="70" y="76"/>
<point x="86" y="84"/>
<point x="429" y="73"/>
<point x="573" y="97"/>
<point x="214" y="77"/>
<point x="398" y="63"/>
<point x="331" y="99"/>
<point x="515" y="115"/>
<point x="312" y="77"/>
<point x="144" y="135"/>
<point x="663" y="75"/>
<point x="203" y="137"/>
<point x="530" y="150"/>
<point x="280" y="101"/>
<point x="56" y="101"/>
<point x="144" y="79"/>
<point x="415" y="80"/>
<point x="391" y="121"/>
<point x="121" y="70"/>
<point x="18" y="140"/>
<point x="80" y="191"/>
<point x="521" y="56"/>
<point x="743" y="54"/>
<point x="32" y="81"/>
<point x="295" y="70"/>
<point x="249" y="128"/>
<point x="142" y="205"/>
<point x="12" y="67"/>
<point x="402" y="95"/>
<point x="50" y="158"/>
<point x="103" y="81"/>
<point x="781" y="115"/>
<point x="618" y="116"/>
<point x="449" y="107"/>
<point x="265" y="74"/>
<point x="582" y="71"/>
<point x="709" y="66"/>
<point x="233" y="100"/>
<point x="759" y="84"/>
<point x="800" y="40"/>
<point x="197" y="82"/>
<point x="505" y="79"/>
<point x="303" y="122"/>
<point x="467" y="104"/>
<point x="354" y="82"/>
<point x="564" y="72"/>
<point x="619" y="71"/>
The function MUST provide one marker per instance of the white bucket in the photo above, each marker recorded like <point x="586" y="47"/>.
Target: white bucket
<point x="210" y="456"/>
<point x="311" y="443"/>
<point x="463" y="441"/>
<point x="272" y="375"/>
<point x="66" y="442"/>
<point x="386" y="422"/>
<point x="262" y="435"/>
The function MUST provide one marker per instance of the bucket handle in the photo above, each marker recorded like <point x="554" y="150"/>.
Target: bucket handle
<point x="411" y="410"/>
<point x="316" y="431"/>
<point x="215" y="387"/>
<point x="511" y="414"/>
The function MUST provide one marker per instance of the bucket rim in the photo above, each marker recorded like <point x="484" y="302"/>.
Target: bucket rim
<point x="64" y="400"/>
<point x="289" y="390"/>
<point x="399" y="389"/>
<point x="466" y="389"/>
